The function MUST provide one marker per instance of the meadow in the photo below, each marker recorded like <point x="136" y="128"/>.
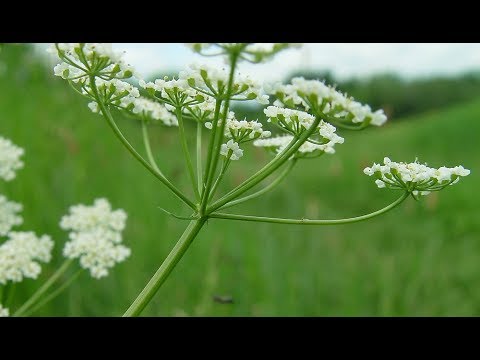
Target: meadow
<point x="421" y="259"/>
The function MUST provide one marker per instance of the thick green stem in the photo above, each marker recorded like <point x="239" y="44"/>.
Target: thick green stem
<point x="186" y="153"/>
<point x="307" y="221"/>
<point x="225" y="165"/>
<point x="199" y="158"/>
<point x="166" y="268"/>
<point x="148" y="149"/>
<point x="42" y="289"/>
<point x="266" y="189"/>
<point x="108" y="116"/>
<point x="267" y="169"/>
<point x="211" y="144"/>
<point x="219" y="135"/>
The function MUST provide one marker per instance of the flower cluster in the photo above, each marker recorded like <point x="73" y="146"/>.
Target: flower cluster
<point x="416" y="178"/>
<point x="292" y="121"/>
<point x="213" y="82"/>
<point x="8" y="215"/>
<point x="112" y="92"/>
<point x="20" y="256"/>
<point x="243" y="130"/>
<point x="152" y="110"/>
<point x="254" y="53"/>
<point x="95" y="236"/>
<point x="174" y="92"/>
<point x="231" y="150"/>
<point x="81" y="60"/>
<point x="9" y="159"/>
<point x="325" y="142"/>
<point x="202" y="112"/>
<point x="320" y="99"/>
<point x="239" y="131"/>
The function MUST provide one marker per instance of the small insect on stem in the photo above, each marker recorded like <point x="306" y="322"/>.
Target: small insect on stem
<point x="223" y="299"/>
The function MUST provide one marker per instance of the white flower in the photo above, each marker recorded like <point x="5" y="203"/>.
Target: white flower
<point x="93" y="106"/>
<point x="83" y="218"/>
<point x="214" y="81"/>
<point x="97" y="56"/>
<point x="326" y="99"/>
<point x="243" y="131"/>
<point x="326" y="143"/>
<point x="95" y="251"/>
<point x="154" y="110"/>
<point x="9" y="159"/>
<point x="116" y="92"/>
<point x="20" y="256"/>
<point x="95" y="236"/>
<point x="414" y="177"/>
<point x="292" y="120"/>
<point x="8" y="215"/>
<point x="4" y="312"/>
<point x="232" y="146"/>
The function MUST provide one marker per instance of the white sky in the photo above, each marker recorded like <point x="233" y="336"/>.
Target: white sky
<point x="343" y="59"/>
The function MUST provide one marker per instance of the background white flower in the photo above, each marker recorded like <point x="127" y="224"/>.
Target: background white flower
<point x="9" y="159"/>
<point x="8" y="215"/>
<point x="95" y="236"/>
<point x="20" y="256"/>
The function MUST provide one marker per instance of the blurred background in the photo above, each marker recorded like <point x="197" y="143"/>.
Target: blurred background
<point x="421" y="259"/>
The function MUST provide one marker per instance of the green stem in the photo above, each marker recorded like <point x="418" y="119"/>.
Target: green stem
<point x="268" y="169"/>
<point x="225" y="165"/>
<point x="166" y="268"/>
<point x="211" y="144"/>
<point x="108" y="116"/>
<point x="218" y="140"/>
<point x="42" y="289"/>
<point x="186" y="153"/>
<point x="53" y="294"/>
<point x="307" y="221"/>
<point x="11" y="293"/>
<point x="266" y="189"/>
<point x="148" y="149"/>
<point x="199" y="158"/>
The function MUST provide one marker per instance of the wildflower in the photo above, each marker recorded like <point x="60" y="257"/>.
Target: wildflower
<point x="325" y="141"/>
<point x="8" y="215"/>
<point x="20" y="256"/>
<point x="82" y="60"/>
<point x="317" y="97"/>
<point x="153" y="110"/>
<point x="213" y="82"/>
<point x="416" y="178"/>
<point x="95" y="236"/>
<point x="242" y="131"/>
<point x="293" y="121"/>
<point x="231" y="148"/>
<point x="9" y="159"/>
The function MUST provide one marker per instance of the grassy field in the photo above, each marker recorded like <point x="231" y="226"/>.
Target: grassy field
<point x="423" y="258"/>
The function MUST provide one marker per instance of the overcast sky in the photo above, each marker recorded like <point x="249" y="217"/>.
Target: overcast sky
<point x="344" y="59"/>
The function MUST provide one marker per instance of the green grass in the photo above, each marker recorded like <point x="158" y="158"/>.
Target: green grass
<point x="421" y="259"/>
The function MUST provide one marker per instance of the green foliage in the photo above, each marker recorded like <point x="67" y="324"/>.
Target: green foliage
<point x="420" y="259"/>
